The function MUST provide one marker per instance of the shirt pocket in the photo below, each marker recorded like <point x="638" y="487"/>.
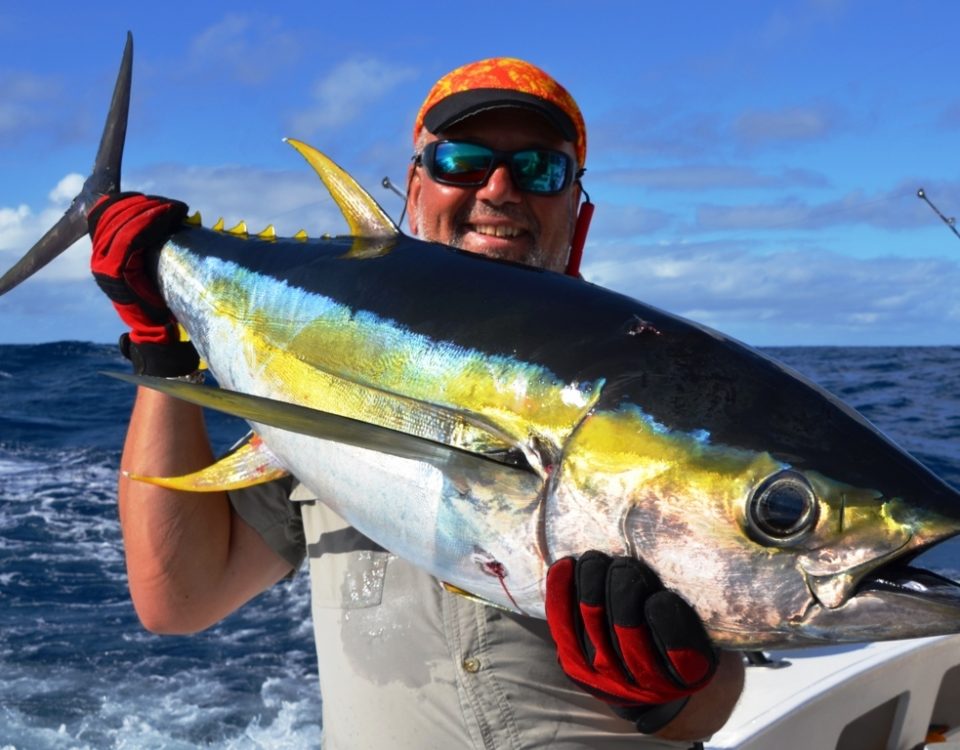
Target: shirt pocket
<point x="348" y="580"/>
<point x="347" y="569"/>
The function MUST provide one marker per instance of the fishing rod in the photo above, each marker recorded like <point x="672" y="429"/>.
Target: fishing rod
<point x="950" y="222"/>
<point x="386" y="182"/>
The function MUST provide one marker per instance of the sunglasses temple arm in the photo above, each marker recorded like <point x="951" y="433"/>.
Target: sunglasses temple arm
<point x="579" y="237"/>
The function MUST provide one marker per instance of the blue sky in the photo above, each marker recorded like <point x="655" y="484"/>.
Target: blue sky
<point x="754" y="164"/>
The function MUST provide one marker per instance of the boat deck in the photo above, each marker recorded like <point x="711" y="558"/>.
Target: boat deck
<point x="900" y="695"/>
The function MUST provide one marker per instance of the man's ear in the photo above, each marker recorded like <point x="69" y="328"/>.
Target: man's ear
<point x="413" y="198"/>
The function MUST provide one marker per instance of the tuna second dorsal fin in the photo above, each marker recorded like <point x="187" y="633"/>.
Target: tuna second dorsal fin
<point x="363" y="214"/>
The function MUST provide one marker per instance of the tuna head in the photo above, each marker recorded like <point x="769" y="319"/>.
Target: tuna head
<point x="779" y="513"/>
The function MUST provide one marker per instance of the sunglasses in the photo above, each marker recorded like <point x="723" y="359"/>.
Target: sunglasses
<point x="541" y="171"/>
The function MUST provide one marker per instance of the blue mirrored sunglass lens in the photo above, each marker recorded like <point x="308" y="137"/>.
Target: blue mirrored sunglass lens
<point x="540" y="171"/>
<point x="464" y="163"/>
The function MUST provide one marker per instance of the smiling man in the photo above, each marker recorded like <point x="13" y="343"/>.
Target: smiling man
<point x="500" y="149"/>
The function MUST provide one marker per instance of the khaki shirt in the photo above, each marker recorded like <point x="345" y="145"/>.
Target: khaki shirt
<point x="404" y="664"/>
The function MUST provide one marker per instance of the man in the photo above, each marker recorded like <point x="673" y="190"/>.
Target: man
<point x="499" y="150"/>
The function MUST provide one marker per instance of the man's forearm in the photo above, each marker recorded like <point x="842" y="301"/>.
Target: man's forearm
<point x="190" y="559"/>
<point x="708" y="710"/>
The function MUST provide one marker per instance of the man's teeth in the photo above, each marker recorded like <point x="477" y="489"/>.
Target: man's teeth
<point x="497" y="231"/>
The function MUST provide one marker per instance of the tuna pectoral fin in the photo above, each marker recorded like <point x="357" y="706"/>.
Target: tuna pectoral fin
<point x="251" y="463"/>
<point x="321" y="424"/>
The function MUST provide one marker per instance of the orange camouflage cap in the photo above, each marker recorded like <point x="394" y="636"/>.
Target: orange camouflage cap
<point x="502" y="82"/>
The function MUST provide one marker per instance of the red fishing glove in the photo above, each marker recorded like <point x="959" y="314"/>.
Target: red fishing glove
<point x="127" y="229"/>
<point x="625" y="639"/>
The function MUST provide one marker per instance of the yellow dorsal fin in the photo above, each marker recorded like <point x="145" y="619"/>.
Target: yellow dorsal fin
<point x="194" y="219"/>
<point x="301" y="235"/>
<point x="364" y="216"/>
<point x="269" y="233"/>
<point x="240" y="230"/>
<point x="252" y="463"/>
<point x="218" y="227"/>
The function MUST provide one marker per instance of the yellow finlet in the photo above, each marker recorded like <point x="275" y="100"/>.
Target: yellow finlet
<point x="250" y="464"/>
<point x="218" y="227"/>
<point x="240" y="230"/>
<point x="194" y="219"/>
<point x="301" y="235"/>
<point x="364" y="216"/>
<point x="451" y="589"/>
<point x="269" y="233"/>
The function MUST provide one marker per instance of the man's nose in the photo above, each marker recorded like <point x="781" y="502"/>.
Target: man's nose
<point x="499" y="188"/>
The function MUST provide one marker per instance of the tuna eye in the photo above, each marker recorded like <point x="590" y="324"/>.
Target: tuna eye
<point x="782" y="509"/>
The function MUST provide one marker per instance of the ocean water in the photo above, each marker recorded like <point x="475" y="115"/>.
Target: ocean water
<point x="77" y="669"/>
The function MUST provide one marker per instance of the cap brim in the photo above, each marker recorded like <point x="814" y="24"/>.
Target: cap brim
<point x="458" y="107"/>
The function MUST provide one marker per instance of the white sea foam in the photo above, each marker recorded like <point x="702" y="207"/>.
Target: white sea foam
<point x="186" y="709"/>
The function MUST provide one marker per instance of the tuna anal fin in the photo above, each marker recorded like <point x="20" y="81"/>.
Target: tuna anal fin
<point x="250" y="464"/>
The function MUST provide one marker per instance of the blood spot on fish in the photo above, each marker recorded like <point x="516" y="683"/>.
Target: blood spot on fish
<point x="493" y="568"/>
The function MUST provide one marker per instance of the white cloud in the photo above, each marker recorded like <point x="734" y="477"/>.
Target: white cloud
<point x="66" y="190"/>
<point x="810" y="296"/>
<point x="347" y="91"/>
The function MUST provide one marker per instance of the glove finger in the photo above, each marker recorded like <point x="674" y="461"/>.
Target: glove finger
<point x="598" y="642"/>
<point x="630" y="583"/>
<point x="679" y="636"/>
<point x="563" y="616"/>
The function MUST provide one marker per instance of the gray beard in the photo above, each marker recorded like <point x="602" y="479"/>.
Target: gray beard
<point x="536" y="256"/>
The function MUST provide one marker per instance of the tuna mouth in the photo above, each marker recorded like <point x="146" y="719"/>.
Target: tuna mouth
<point x="900" y="578"/>
<point x="903" y="598"/>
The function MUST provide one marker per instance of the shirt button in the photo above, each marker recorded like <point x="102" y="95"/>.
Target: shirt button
<point x="472" y="665"/>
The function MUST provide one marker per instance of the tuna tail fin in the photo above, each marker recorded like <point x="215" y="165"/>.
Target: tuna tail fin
<point x="104" y="179"/>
